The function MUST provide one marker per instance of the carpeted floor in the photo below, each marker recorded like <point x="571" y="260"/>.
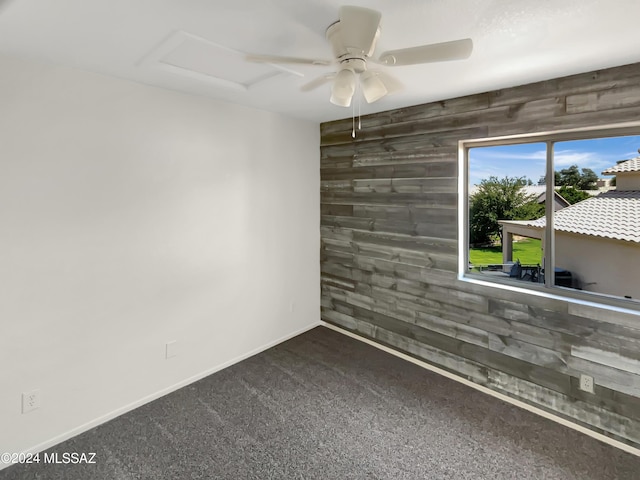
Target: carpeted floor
<point x="325" y="406"/>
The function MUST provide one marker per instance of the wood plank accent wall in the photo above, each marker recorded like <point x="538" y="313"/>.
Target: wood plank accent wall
<point x="389" y="253"/>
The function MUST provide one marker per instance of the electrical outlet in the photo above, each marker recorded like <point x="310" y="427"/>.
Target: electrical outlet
<point x="171" y="349"/>
<point x="586" y="383"/>
<point x="30" y="401"/>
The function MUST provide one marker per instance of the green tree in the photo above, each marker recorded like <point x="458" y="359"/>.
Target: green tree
<point x="588" y="179"/>
<point x="573" y="195"/>
<point x="499" y="199"/>
<point x="572" y="176"/>
<point x="569" y="176"/>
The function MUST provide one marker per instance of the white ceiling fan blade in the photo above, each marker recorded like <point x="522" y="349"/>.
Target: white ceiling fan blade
<point x="286" y="60"/>
<point x="358" y="28"/>
<point x="317" y="82"/>
<point x="344" y="86"/>
<point x="436" y="52"/>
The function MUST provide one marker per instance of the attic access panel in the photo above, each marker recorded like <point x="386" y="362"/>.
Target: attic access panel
<point x="189" y="55"/>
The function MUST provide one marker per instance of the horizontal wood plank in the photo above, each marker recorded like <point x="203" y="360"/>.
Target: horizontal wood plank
<point x="443" y="200"/>
<point x="608" y="358"/>
<point x="444" y="170"/>
<point x="627" y="75"/>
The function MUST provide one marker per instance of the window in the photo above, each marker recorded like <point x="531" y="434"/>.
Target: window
<point x="555" y="211"/>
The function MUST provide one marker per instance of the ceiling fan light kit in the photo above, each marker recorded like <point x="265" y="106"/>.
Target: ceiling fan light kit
<point x="372" y="87"/>
<point x="353" y="40"/>
<point x="343" y="88"/>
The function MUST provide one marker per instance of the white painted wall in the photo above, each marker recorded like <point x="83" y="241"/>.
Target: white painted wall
<point x="131" y="216"/>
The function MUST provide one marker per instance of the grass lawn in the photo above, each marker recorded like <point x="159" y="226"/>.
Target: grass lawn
<point x="527" y="250"/>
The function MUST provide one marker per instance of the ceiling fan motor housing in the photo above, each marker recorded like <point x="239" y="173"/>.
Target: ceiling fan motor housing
<point x="358" y="65"/>
<point x="342" y="51"/>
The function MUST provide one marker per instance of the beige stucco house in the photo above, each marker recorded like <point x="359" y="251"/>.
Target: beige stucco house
<point x="598" y="239"/>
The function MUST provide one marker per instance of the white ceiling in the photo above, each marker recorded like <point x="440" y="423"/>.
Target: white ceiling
<point x="168" y="43"/>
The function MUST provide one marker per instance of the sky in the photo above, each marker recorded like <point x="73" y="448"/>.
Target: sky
<point x="528" y="160"/>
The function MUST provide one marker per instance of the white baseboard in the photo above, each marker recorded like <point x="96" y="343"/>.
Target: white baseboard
<point x="488" y="391"/>
<point x="161" y="393"/>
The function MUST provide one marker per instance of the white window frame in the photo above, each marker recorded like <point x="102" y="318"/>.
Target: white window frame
<point x="548" y="289"/>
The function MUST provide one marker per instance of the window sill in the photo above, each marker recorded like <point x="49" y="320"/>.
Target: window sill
<point x="596" y="306"/>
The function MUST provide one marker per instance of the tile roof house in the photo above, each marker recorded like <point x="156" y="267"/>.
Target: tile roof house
<point x="597" y="239"/>
<point x="632" y="165"/>
<point x="627" y="174"/>
<point x="613" y="214"/>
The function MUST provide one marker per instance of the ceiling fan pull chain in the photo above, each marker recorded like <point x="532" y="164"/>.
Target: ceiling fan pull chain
<point x="353" y="120"/>
<point x="359" y="116"/>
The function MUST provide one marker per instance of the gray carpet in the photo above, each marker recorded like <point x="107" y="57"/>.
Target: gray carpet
<point x="325" y="406"/>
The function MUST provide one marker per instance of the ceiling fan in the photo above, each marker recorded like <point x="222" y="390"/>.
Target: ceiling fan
<point x="353" y="39"/>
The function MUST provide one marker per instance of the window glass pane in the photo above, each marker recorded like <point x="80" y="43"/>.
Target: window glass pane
<point x="506" y="211"/>
<point x="597" y="227"/>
